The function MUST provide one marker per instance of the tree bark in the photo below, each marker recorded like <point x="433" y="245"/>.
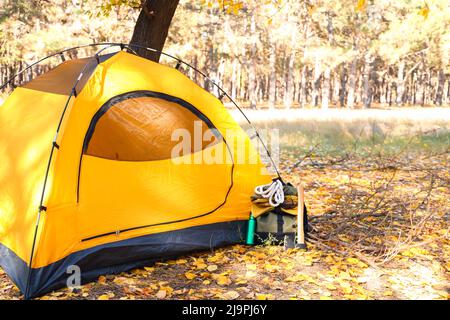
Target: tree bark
<point x="152" y="27"/>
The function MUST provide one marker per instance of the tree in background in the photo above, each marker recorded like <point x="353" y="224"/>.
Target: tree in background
<point x="152" y="26"/>
<point x="153" y="22"/>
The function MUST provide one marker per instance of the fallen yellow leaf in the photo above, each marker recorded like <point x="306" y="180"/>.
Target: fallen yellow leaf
<point x="190" y="275"/>
<point x="388" y="293"/>
<point x="102" y="280"/>
<point x="122" y="280"/>
<point x="251" y="266"/>
<point x="181" y="261"/>
<point x="330" y="286"/>
<point x="212" y="268"/>
<point x="223" y="280"/>
<point x="168" y="289"/>
<point x="161" y="294"/>
<point x="231" y="295"/>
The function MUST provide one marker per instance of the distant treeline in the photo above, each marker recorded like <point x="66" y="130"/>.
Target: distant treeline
<point x="282" y="53"/>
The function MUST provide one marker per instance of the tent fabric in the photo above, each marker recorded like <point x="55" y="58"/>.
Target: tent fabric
<point x="112" y="179"/>
<point x="28" y="121"/>
<point x="61" y="79"/>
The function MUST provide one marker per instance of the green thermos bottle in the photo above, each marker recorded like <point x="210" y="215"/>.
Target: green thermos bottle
<point x="251" y="230"/>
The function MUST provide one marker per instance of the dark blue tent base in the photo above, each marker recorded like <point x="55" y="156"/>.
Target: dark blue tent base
<point x="120" y="256"/>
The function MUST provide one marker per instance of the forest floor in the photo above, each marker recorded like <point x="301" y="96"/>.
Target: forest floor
<point x="379" y="206"/>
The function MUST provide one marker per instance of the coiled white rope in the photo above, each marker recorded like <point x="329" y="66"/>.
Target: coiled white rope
<point x="272" y="191"/>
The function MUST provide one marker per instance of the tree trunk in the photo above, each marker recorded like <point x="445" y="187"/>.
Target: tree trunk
<point x="336" y="84"/>
<point x="234" y="78"/>
<point x="440" y="88"/>
<point x="326" y="88"/>
<point x="327" y="74"/>
<point x="351" y="85"/>
<point x="359" y="90"/>
<point x="194" y="75"/>
<point x="290" y="66"/>
<point x="210" y="64"/>
<point x="152" y="27"/>
<point x="252" y="85"/>
<point x="367" y="94"/>
<point x="400" y="83"/>
<point x="447" y="98"/>
<point x="273" y="76"/>
<point x="220" y="75"/>
<point x="297" y="85"/>
<point x="420" y="94"/>
<point x="343" y="81"/>
<point x="289" y="95"/>
<point x="242" y="69"/>
<point x="316" y="81"/>
<point x="303" y="85"/>
<point x="383" y="90"/>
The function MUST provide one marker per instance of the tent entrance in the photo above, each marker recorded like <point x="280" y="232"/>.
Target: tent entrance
<point x="128" y="166"/>
<point x="142" y="126"/>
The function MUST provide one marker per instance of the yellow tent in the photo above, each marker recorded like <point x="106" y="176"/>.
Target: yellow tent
<point x="113" y="189"/>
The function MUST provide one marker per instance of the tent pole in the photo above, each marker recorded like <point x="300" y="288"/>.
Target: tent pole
<point x="55" y="145"/>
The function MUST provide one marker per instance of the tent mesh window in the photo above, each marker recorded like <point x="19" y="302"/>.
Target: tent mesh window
<point x="147" y="128"/>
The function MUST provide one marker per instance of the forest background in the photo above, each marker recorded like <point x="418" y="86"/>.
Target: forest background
<point x="359" y="92"/>
<point x="283" y="53"/>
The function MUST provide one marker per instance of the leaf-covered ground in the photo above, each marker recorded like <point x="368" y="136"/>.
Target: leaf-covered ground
<point x="380" y="217"/>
